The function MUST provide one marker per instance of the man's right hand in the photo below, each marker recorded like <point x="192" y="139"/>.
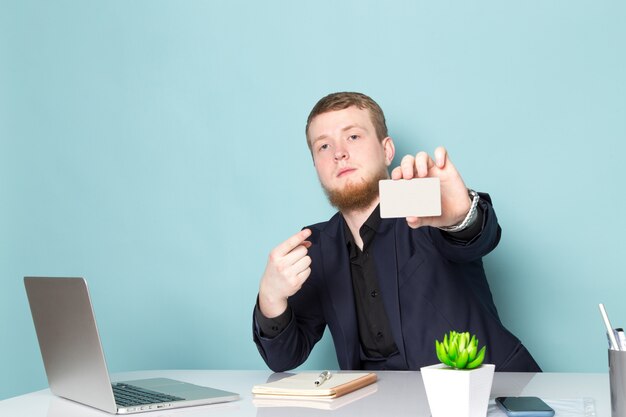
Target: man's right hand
<point x="288" y="266"/>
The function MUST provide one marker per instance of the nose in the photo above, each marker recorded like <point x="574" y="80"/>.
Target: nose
<point x="340" y="153"/>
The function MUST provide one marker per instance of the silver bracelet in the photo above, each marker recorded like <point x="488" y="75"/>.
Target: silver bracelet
<point x="469" y="219"/>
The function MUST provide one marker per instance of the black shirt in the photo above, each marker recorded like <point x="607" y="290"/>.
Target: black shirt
<point x="374" y="329"/>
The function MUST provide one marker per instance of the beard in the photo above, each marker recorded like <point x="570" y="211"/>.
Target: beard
<point x="356" y="196"/>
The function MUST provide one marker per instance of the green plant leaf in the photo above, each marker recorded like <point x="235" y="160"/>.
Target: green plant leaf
<point x="461" y="362"/>
<point x="479" y="359"/>
<point x="462" y="342"/>
<point x="453" y="351"/>
<point x="441" y="354"/>
<point x="471" y="351"/>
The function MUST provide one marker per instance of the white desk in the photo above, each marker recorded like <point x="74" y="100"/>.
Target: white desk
<point x="395" y="394"/>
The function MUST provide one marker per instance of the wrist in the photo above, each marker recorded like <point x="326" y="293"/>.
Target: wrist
<point x="271" y="307"/>
<point x="470" y="217"/>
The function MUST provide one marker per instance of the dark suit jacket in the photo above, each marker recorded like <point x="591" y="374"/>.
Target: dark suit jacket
<point x="430" y="285"/>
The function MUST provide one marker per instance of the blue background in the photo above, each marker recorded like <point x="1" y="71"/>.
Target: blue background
<point x="157" y="148"/>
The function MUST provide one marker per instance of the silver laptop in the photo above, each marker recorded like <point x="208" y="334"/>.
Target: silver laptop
<point x="74" y="360"/>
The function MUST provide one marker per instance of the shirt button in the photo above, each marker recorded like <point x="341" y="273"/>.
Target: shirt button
<point x="379" y="335"/>
<point x="374" y="294"/>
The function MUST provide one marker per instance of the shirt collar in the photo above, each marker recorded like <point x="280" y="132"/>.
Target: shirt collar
<point x="367" y="232"/>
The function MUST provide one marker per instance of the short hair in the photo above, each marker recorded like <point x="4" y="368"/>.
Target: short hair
<point x="343" y="100"/>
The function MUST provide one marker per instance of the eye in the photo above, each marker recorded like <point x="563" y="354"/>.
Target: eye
<point x="323" y="147"/>
<point x="353" y="137"/>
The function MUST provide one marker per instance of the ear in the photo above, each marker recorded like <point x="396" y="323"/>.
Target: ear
<point x="390" y="150"/>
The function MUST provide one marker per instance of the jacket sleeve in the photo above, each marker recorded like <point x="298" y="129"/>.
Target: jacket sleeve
<point x="480" y="245"/>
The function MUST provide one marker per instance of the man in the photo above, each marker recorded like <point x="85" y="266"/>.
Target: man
<point x="386" y="288"/>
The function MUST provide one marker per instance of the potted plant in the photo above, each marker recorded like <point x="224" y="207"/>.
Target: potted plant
<point x="461" y="372"/>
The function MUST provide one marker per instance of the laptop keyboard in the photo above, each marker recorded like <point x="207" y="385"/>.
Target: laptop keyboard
<point x="129" y="395"/>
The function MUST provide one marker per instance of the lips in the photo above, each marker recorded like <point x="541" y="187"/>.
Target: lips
<point x="345" y="171"/>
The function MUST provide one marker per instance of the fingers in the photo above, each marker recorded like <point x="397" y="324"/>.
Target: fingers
<point x="440" y="156"/>
<point x="423" y="162"/>
<point x="413" y="167"/>
<point x="420" y="165"/>
<point x="396" y="173"/>
<point x="407" y="167"/>
<point x="413" y="222"/>
<point x="293" y="242"/>
<point x="291" y="250"/>
<point x="294" y="256"/>
<point x="301" y="268"/>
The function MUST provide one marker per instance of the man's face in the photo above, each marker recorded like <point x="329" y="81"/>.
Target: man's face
<point x="349" y="157"/>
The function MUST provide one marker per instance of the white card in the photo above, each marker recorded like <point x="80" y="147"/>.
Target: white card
<point x="419" y="197"/>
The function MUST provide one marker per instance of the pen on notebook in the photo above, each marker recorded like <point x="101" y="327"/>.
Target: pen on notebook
<point x="324" y="376"/>
<point x="609" y="328"/>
